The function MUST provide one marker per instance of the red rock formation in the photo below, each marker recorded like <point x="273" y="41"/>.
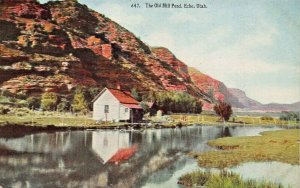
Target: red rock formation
<point x="80" y="47"/>
<point x="26" y="9"/>
<point x="168" y="57"/>
<point x="106" y="51"/>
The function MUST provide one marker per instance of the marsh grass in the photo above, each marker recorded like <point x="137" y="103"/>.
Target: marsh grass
<point x="282" y="146"/>
<point x="212" y="119"/>
<point x="223" y="179"/>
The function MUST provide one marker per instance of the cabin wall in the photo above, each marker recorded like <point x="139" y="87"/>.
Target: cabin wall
<point x="106" y="98"/>
<point x="123" y="114"/>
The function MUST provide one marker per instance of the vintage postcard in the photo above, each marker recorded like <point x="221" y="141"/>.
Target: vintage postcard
<point x="149" y="93"/>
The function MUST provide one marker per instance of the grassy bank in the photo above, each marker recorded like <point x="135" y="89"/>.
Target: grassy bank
<point x="212" y="119"/>
<point x="282" y="146"/>
<point x="222" y="180"/>
<point x="52" y="118"/>
<point x="24" y="116"/>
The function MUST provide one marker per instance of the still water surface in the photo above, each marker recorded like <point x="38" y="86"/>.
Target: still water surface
<point x="100" y="158"/>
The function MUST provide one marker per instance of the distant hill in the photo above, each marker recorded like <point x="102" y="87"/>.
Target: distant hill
<point x="275" y="107"/>
<point x="243" y="98"/>
<point x="251" y="104"/>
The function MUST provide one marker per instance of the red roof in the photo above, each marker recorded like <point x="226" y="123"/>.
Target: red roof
<point x="135" y="106"/>
<point x="123" y="154"/>
<point x="123" y="96"/>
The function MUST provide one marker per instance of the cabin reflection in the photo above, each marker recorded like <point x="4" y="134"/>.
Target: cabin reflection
<point x="112" y="146"/>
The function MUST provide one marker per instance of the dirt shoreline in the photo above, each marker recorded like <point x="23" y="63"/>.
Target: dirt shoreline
<point x="14" y="130"/>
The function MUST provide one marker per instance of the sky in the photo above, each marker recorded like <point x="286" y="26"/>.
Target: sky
<point x="253" y="45"/>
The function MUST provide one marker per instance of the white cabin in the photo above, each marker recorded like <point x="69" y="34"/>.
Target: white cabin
<point x="115" y="105"/>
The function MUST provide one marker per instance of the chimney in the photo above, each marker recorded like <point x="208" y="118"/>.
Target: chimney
<point x="118" y="86"/>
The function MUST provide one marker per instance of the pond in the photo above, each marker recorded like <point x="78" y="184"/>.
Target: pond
<point x="107" y="158"/>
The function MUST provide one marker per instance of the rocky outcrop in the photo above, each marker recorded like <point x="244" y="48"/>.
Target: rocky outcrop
<point x="166" y="56"/>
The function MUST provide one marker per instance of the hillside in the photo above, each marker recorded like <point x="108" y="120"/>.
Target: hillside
<point x="215" y="89"/>
<point x="254" y="105"/>
<point x="243" y="98"/>
<point x="60" y="45"/>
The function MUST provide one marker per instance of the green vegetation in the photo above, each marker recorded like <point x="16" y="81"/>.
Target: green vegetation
<point x="267" y="118"/>
<point x="4" y="110"/>
<point x="63" y="106"/>
<point x="222" y="180"/>
<point x="80" y="104"/>
<point x="33" y="102"/>
<point x="209" y="118"/>
<point x="280" y="146"/>
<point x="145" y="107"/>
<point x="175" y="102"/>
<point x="290" y="116"/>
<point x="223" y="110"/>
<point x="49" y="101"/>
<point x="135" y="94"/>
<point x="48" y="118"/>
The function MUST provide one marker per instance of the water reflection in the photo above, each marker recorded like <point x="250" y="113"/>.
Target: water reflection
<point x="286" y="174"/>
<point x="103" y="158"/>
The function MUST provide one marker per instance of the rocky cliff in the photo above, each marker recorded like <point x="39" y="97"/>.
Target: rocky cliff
<point x="243" y="98"/>
<point x="62" y="44"/>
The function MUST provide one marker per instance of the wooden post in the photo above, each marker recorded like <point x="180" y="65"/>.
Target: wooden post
<point x="131" y="114"/>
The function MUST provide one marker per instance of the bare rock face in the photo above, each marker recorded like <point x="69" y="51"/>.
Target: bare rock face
<point x="25" y="9"/>
<point x="63" y="44"/>
<point x="168" y="57"/>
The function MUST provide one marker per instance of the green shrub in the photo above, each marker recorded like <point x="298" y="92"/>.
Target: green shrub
<point x="33" y="102"/>
<point x="4" y="110"/>
<point x="290" y="116"/>
<point x="223" y="179"/>
<point x="21" y="111"/>
<point x="21" y="103"/>
<point x="63" y="106"/>
<point x="49" y="101"/>
<point x="4" y="99"/>
<point x="267" y="118"/>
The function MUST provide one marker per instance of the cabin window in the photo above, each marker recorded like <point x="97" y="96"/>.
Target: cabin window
<point x="106" y="109"/>
<point x="126" y="109"/>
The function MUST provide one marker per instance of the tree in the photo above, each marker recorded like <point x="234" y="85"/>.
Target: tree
<point x="178" y="102"/>
<point x="223" y="110"/>
<point x="63" y="106"/>
<point x="90" y="94"/>
<point x="289" y="116"/>
<point x="145" y="107"/>
<point x="135" y="94"/>
<point x="33" y="102"/>
<point x="49" y="101"/>
<point x="79" y="103"/>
